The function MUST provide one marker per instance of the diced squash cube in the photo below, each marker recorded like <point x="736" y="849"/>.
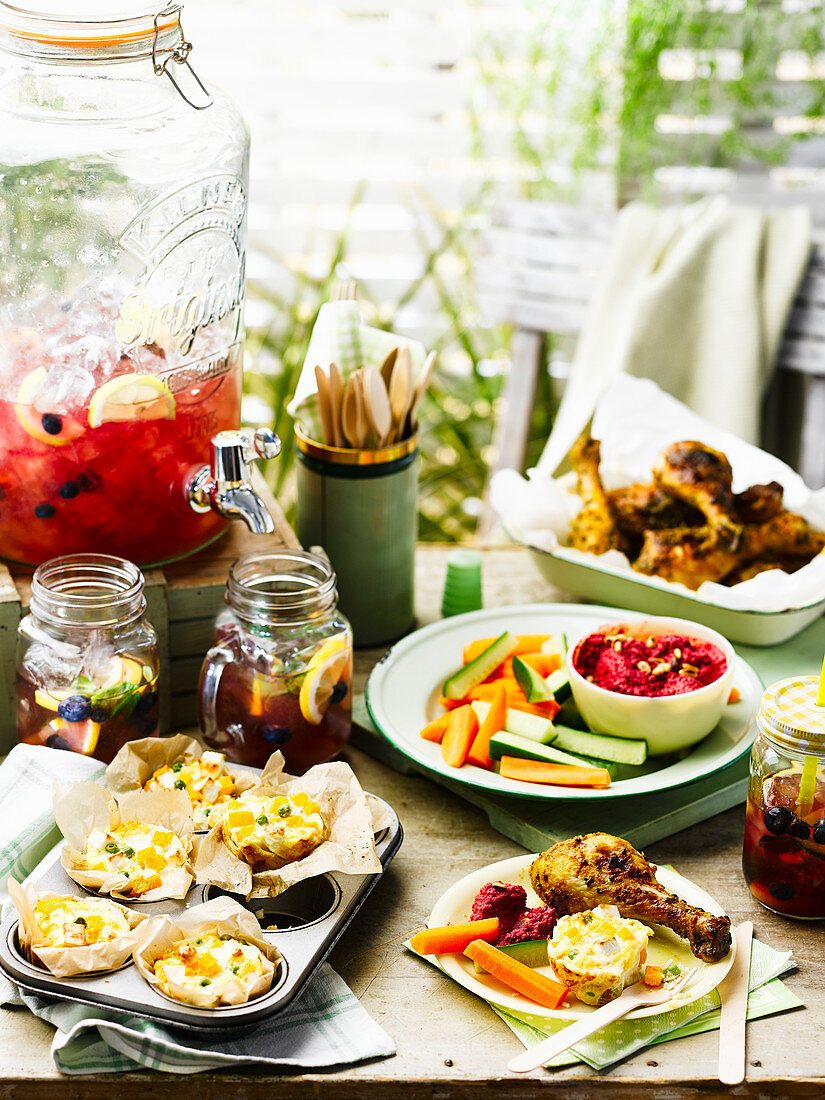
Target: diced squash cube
<point x="227" y="782"/>
<point x="244" y="831"/>
<point x="94" y="926"/>
<point x="162" y="771"/>
<point x="150" y="857"/>
<point x="208" y="965"/>
<point x="162" y="838"/>
<point x="294" y="821"/>
<point x="237" y="818"/>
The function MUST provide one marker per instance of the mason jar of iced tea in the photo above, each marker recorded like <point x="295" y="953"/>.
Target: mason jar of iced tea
<point x="279" y="675"/>
<point x="784" y="851"/>
<point x="87" y="669"/>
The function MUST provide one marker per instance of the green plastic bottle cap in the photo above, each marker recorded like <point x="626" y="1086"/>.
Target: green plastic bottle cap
<point x="462" y="585"/>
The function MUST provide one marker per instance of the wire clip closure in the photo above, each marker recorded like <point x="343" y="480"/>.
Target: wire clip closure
<point x="179" y="53"/>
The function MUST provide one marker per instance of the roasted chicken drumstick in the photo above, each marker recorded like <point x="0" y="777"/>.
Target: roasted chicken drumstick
<point x="701" y="476"/>
<point x="594" y="528"/>
<point x="599" y="869"/>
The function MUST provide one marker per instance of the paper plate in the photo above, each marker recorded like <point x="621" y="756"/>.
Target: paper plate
<point x="454" y="907"/>
<point x="402" y="697"/>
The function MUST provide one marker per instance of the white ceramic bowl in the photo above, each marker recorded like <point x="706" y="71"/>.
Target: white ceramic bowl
<point x="668" y="723"/>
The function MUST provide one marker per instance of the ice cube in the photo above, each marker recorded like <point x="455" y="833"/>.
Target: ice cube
<point x="65" y="388"/>
<point x="46" y="668"/>
<point x="100" y="662"/>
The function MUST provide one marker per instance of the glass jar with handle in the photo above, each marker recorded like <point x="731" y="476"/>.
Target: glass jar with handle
<point x="279" y="675"/>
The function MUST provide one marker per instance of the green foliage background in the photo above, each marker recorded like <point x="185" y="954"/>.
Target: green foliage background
<point x="593" y="67"/>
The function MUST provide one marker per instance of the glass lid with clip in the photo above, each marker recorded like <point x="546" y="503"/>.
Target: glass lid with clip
<point x="123" y="228"/>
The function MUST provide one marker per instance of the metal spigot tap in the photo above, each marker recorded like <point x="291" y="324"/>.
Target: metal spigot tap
<point x="226" y="486"/>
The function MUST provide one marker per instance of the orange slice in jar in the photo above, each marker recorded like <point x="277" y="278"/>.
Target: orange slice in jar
<point x="53" y="428"/>
<point x="130" y="397"/>
<point x="323" y="672"/>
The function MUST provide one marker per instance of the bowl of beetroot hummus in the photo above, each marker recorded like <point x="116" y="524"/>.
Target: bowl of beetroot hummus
<point x="664" y="681"/>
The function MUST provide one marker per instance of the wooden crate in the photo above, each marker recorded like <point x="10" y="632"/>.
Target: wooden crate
<point x="182" y="600"/>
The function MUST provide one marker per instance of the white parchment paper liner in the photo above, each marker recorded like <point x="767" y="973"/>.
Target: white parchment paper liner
<point x="635" y="421"/>
<point x="81" y="807"/>
<point x="66" y="961"/>
<point x="220" y="915"/>
<point x="349" y="845"/>
<point x="138" y="761"/>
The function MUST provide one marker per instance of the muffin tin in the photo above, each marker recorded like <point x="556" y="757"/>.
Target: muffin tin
<point x="310" y="917"/>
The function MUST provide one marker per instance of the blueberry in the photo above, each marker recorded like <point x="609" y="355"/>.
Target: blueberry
<point x="778" y="820"/>
<point x="45" y="510"/>
<point x="145" y="702"/>
<point x="819" y="832"/>
<point x="801" y="830"/>
<point x="100" y="715"/>
<point x="77" y="708"/>
<point x="69" y="490"/>
<point x="338" y="692"/>
<point x="782" y="891"/>
<point x="55" y="741"/>
<point x="52" y="423"/>
<point x="276" y="735"/>
<point x="89" y="483"/>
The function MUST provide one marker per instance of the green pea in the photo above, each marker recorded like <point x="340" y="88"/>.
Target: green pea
<point x="263" y="820"/>
<point x="205" y="981"/>
<point x="128" y="852"/>
<point x="112" y="847"/>
<point x="177" y="767"/>
<point x="80" y="920"/>
<point x="180" y="785"/>
<point x="284" y="811"/>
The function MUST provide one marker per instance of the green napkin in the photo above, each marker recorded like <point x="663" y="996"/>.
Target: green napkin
<point x="612" y="1044"/>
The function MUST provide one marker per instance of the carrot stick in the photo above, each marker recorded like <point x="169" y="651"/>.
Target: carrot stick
<point x="562" y="775"/>
<point x="458" y="738"/>
<point x="453" y="938"/>
<point x="486" y="691"/>
<point x="527" y="643"/>
<point x="480" y="750"/>
<point x="542" y="663"/>
<point x="435" y="731"/>
<point x="450" y="704"/>
<point x="529" y="983"/>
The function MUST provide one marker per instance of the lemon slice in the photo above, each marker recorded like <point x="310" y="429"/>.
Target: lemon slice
<point x="81" y="736"/>
<point x="131" y="397"/>
<point x="323" y="673"/>
<point x="50" y="428"/>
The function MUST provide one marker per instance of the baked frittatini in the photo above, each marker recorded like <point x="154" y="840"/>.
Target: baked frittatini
<point x="136" y="847"/>
<point x="268" y="832"/>
<point x="211" y="955"/>
<point x="179" y="763"/>
<point x="69" y="934"/>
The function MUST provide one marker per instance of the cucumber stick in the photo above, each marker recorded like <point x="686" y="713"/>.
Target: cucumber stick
<point x="457" y="686"/>
<point x="531" y="726"/>
<point x="621" y="749"/>
<point x="557" y="686"/>
<point x="556" y="643"/>
<point x="510" y="744"/>
<point x="534" y="686"/>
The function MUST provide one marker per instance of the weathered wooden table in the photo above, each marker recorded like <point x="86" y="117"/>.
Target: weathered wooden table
<point x="450" y="1044"/>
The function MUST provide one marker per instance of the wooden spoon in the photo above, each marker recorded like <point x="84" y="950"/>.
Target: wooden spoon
<point x="336" y="400"/>
<point x="419" y="390"/>
<point x="386" y="367"/>
<point x="324" y="406"/>
<point x="349" y="412"/>
<point x="363" y="428"/>
<point x="400" y="391"/>
<point x="377" y="404"/>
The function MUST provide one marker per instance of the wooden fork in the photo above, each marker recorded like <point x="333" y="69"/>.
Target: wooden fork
<point x="635" y="996"/>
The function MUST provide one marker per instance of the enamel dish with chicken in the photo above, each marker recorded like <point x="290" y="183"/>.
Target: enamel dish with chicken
<point x="204" y="778"/>
<point x="616" y="915"/>
<point x="140" y="857"/>
<point x="268" y="832"/>
<point x="598" y="952"/>
<point x="212" y="970"/>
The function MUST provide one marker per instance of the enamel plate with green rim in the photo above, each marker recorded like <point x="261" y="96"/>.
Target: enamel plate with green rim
<point x="664" y="948"/>
<point x="403" y="690"/>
